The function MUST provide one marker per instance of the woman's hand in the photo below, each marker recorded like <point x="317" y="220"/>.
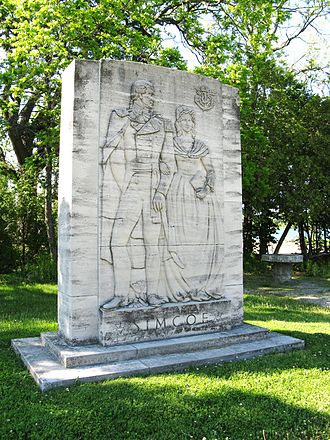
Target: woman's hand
<point x="164" y="168"/>
<point x="202" y="192"/>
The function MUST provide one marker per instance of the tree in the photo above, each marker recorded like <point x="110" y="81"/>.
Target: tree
<point x="243" y="48"/>
<point x="240" y="46"/>
<point x="39" y="39"/>
<point x="8" y="252"/>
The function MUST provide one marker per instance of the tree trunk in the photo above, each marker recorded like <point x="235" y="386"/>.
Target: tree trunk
<point x="309" y="237"/>
<point x="264" y="236"/>
<point x="280" y="242"/>
<point x="302" y="240"/>
<point x="23" y="260"/>
<point x="325" y="240"/>
<point x="263" y="245"/>
<point x="49" y="213"/>
<point x="247" y="231"/>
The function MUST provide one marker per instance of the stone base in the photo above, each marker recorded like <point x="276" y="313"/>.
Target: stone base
<point x="127" y="325"/>
<point x="282" y="272"/>
<point x="54" y="363"/>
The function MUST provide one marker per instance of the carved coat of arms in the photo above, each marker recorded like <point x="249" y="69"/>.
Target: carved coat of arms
<point x="205" y="98"/>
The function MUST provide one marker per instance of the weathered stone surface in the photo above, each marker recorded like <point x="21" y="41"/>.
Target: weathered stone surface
<point x="152" y="323"/>
<point x="76" y="356"/>
<point x="78" y="204"/>
<point x="49" y="373"/>
<point x="148" y="357"/>
<point x="149" y="200"/>
<point x="283" y="258"/>
<point x="173" y="253"/>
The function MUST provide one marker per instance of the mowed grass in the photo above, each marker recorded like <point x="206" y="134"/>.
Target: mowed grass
<point x="281" y="396"/>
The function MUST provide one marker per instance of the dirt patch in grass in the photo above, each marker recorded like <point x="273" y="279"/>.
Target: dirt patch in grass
<point x="302" y="288"/>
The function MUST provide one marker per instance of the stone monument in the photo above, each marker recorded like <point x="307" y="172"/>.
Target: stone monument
<point x="150" y="240"/>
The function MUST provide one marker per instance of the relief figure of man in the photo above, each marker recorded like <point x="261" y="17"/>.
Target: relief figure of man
<point x="146" y="140"/>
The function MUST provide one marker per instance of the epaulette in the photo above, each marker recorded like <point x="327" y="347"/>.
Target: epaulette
<point x="121" y="112"/>
<point x="157" y="122"/>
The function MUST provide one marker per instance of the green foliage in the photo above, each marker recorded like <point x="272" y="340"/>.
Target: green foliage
<point x="285" y="130"/>
<point x="254" y="265"/>
<point x="22" y="217"/>
<point x="280" y="396"/>
<point x="317" y="268"/>
<point x="30" y="210"/>
<point x="43" y="269"/>
<point x="171" y="57"/>
<point x="312" y="268"/>
<point x="8" y="253"/>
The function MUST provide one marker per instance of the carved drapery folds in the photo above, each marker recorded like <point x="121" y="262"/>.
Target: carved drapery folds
<point x="168" y="224"/>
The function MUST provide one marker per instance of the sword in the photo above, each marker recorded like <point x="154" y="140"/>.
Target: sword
<point x="175" y="257"/>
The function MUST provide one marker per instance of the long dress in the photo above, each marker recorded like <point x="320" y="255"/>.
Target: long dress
<point x="192" y="268"/>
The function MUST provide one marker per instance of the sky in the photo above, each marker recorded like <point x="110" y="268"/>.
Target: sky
<point x="313" y="43"/>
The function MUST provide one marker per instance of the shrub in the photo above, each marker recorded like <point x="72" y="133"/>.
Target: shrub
<point x="42" y="270"/>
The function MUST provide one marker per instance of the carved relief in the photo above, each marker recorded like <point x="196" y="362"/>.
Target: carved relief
<point x="205" y="98"/>
<point x="167" y="223"/>
<point x="193" y="217"/>
<point x="146" y="141"/>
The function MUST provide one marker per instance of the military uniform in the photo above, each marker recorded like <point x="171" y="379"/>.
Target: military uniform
<point x="146" y="140"/>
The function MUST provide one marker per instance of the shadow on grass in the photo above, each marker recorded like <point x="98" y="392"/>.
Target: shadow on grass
<point x="201" y="402"/>
<point x="28" y="301"/>
<point x="185" y="407"/>
<point x="266" y="308"/>
<point x="299" y="281"/>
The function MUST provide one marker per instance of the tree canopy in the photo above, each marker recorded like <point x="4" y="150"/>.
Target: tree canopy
<point x="285" y="128"/>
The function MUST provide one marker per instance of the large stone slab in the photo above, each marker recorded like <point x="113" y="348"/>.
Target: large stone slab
<point x="49" y="357"/>
<point x="283" y="258"/>
<point x="75" y="356"/>
<point x="149" y="203"/>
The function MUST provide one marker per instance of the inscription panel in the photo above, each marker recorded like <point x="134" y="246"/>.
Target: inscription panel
<point x="150" y="323"/>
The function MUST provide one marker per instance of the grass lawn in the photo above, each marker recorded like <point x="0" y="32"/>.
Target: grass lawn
<point x="282" y="396"/>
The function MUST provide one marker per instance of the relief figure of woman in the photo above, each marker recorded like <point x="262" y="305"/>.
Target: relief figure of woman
<point x="192" y="269"/>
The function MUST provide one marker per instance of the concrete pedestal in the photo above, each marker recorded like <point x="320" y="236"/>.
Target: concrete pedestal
<point x="282" y="265"/>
